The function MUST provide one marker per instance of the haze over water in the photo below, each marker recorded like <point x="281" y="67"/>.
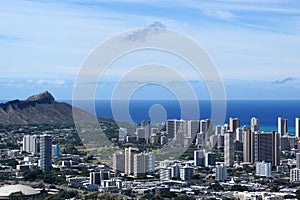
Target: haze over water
<point x="267" y="111"/>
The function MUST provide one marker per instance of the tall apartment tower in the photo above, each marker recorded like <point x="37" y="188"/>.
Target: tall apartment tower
<point x="206" y="127"/>
<point x="282" y="126"/>
<point x="143" y="163"/>
<point x="255" y="124"/>
<point x="221" y="173"/>
<point x="141" y="134"/>
<point x="267" y="147"/>
<point x="228" y="148"/>
<point x="248" y="146"/>
<point x="140" y="164"/>
<point x="122" y="134"/>
<point x="97" y="177"/>
<point x="173" y="126"/>
<point x="233" y="124"/>
<point x="145" y="124"/>
<point x="55" y="151"/>
<point x="176" y="129"/>
<point x="193" y="128"/>
<point x="119" y="162"/>
<point x="151" y="161"/>
<point x="46" y="152"/>
<point x="30" y="144"/>
<point x="129" y="160"/>
<point x="199" y="158"/>
<point x="297" y="127"/>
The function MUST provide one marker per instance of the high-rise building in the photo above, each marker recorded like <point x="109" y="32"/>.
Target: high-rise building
<point x="239" y="134"/>
<point x="175" y="127"/>
<point x="122" y="134"/>
<point x="119" y="162"/>
<point x="165" y="173"/>
<point x="298" y="160"/>
<point x="163" y="140"/>
<point x="228" y="148"/>
<point x="206" y="127"/>
<point x="255" y="126"/>
<point x="129" y="160"/>
<point x="145" y="124"/>
<point x="263" y="169"/>
<point x="221" y="172"/>
<point x="153" y="138"/>
<point x="154" y="130"/>
<point x="203" y="126"/>
<point x="97" y="177"/>
<point x="234" y="123"/>
<point x="267" y="147"/>
<point x="141" y="134"/>
<point x="199" y="158"/>
<point x="248" y="146"/>
<point x="254" y="121"/>
<point x="55" y="151"/>
<point x="180" y="132"/>
<point x="171" y="128"/>
<point x="151" y="163"/>
<point x="193" y="128"/>
<point x="143" y="163"/>
<point x="297" y="127"/>
<point x="30" y="144"/>
<point x="213" y="140"/>
<point x="282" y="126"/>
<point x="220" y="142"/>
<point x="295" y="175"/>
<point x="285" y="144"/>
<point x="186" y="172"/>
<point x="218" y="130"/>
<point x="210" y="159"/>
<point x="46" y="152"/>
<point x="175" y="171"/>
<point x="200" y="139"/>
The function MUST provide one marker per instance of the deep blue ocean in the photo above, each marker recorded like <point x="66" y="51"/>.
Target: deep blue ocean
<point x="266" y="111"/>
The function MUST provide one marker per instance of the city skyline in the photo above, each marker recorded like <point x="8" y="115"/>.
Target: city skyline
<point x="253" y="44"/>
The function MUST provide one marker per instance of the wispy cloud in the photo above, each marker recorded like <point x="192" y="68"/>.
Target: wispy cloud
<point x="157" y="25"/>
<point x="8" y="37"/>
<point x="55" y="82"/>
<point x="285" y="80"/>
<point x="141" y="35"/>
<point x="220" y="14"/>
<point x="36" y="82"/>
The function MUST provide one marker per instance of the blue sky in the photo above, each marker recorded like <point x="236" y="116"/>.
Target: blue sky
<point x="254" y="44"/>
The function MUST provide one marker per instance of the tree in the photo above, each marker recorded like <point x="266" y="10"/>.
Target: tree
<point x="142" y="176"/>
<point x="239" y="188"/>
<point x="64" y="195"/>
<point x="184" y="197"/>
<point x="3" y="176"/>
<point x="216" y="187"/>
<point x="151" y="196"/>
<point x="33" y="175"/>
<point x="16" y="196"/>
<point x="289" y="196"/>
<point x="168" y="194"/>
<point x="10" y="162"/>
<point x="298" y="194"/>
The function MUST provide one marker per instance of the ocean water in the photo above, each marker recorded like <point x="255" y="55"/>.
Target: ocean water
<point x="267" y="111"/>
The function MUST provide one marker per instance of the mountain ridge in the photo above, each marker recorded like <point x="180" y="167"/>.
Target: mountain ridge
<point x="37" y="109"/>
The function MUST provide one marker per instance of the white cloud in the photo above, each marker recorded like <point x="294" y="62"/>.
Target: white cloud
<point x="220" y="14"/>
